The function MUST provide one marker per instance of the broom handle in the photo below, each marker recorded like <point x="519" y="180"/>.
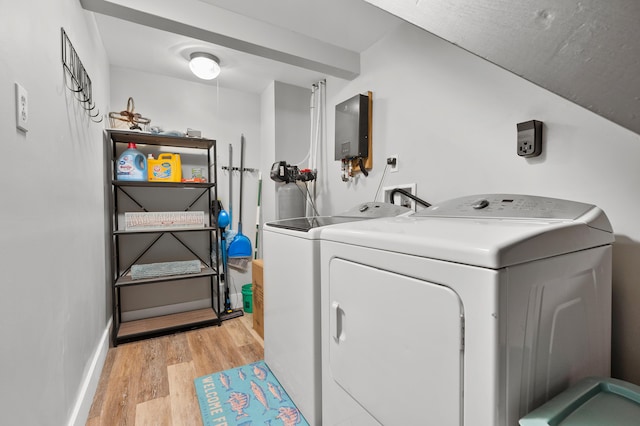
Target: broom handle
<point x="255" y="255"/>
<point x="241" y="173"/>
<point x="230" y="186"/>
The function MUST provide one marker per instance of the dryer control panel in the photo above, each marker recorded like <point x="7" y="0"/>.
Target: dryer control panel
<point x="506" y="206"/>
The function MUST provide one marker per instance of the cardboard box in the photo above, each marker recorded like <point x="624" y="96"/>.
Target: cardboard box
<point x="258" y="292"/>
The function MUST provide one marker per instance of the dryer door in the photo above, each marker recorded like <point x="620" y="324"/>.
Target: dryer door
<point x="396" y="344"/>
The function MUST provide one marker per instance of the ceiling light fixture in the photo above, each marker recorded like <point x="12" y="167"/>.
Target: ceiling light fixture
<point x="204" y="65"/>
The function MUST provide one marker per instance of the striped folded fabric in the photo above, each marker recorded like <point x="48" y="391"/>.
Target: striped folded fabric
<point x="152" y="270"/>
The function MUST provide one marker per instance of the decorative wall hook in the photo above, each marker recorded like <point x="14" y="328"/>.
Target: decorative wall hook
<point x="76" y="78"/>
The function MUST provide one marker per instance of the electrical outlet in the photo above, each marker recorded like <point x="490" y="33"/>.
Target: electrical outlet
<point x="392" y="161"/>
<point x="22" y="108"/>
<point x="530" y="138"/>
<point x="400" y="199"/>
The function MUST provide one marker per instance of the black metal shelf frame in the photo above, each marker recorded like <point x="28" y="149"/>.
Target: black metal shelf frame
<point x="119" y="271"/>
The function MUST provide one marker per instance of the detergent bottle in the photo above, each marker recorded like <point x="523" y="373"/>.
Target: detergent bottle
<point x="167" y="168"/>
<point x="131" y="165"/>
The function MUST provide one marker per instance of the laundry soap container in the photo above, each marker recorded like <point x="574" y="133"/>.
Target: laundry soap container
<point x="131" y="165"/>
<point x="167" y="168"/>
<point x="594" y="401"/>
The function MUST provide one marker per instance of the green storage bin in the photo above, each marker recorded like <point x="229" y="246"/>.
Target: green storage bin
<point x="247" y="298"/>
<point x="595" y="401"/>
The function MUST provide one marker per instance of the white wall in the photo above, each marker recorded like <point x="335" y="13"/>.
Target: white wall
<point x="286" y="126"/>
<point x="221" y="114"/>
<point x="452" y="116"/>
<point x="293" y="126"/>
<point x="268" y="152"/>
<point x="53" y="310"/>
<point x="293" y="123"/>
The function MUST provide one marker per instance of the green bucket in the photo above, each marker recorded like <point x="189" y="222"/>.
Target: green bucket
<point x="247" y="298"/>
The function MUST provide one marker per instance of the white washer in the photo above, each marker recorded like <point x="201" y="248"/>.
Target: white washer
<point x="291" y="253"/>
<point x="472" y="312"/>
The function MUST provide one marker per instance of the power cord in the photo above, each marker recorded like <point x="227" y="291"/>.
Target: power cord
<point x="384" y="174"/>
<point x="308" y="198"/>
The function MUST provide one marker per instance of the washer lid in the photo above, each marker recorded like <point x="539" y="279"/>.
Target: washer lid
<point x="305" y="224"/>
<point x="360" y="212"/>
<point x="504" y="230"/>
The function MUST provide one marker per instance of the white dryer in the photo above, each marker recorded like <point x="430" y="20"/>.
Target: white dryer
<point x="472" y="312"/>
<point x="291" y="252"/>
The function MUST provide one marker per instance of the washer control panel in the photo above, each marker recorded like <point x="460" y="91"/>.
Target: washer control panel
<point x="504" y="206"/>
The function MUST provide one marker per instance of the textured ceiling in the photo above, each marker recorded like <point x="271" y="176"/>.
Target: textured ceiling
<point x="587" y="51"/>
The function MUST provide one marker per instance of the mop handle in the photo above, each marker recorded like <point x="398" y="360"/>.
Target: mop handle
<point x="241" y="173"/>
<point x="230" y="187"/>
<point x="255" y="255"/>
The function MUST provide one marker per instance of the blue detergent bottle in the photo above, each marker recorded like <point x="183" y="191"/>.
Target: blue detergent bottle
<point x="131" y="165"/>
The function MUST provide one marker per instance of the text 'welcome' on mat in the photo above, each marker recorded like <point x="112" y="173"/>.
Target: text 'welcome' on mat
<point x="246" y="395"/>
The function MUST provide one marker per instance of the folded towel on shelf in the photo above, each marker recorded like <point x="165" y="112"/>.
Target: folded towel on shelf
<point x="152" y="270"/>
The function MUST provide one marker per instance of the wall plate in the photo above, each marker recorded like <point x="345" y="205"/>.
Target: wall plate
<point x="399" y="199"/>
<point x="22" y="108"/>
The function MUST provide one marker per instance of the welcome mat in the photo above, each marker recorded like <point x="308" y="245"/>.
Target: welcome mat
<point x="246" y="395"/>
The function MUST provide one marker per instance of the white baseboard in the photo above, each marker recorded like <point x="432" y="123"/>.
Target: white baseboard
<point x="90" y="383"/>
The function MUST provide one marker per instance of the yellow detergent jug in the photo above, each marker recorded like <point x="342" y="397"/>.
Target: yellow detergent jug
<point x="167" y="168"/>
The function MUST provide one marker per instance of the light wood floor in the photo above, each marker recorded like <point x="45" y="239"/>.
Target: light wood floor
<point x="150" y="382"/>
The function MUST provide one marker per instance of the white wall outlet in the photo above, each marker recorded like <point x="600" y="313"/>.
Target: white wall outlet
<point x="22" y="108"/>
<point x="399" y="199"/>
<point x="392" y="161"/>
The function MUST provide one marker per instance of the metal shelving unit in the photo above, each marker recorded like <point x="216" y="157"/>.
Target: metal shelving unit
<point x="162" y="194"/>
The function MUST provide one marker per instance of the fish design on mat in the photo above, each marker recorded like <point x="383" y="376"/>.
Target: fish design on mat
<point x="260" y="395"/>
<point x="289" y="416"/>
<point x="241" y="375"/>
<point x="259" y="372"/>
<point x="239" y="401"/>
<point x="275" y="391"/>
<point x="248" y="423"/>
<point x="225" y="380"/>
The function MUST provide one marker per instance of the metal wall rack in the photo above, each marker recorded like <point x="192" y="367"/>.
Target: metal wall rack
<point x="80" y="82"/>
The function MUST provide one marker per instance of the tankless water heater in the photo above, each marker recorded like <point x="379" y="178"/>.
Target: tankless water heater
<point x="352" y="128"/>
